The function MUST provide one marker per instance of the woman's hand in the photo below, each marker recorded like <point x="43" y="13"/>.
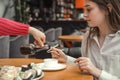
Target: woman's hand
<point x="85" y="64"/>
<point x="38" y="36"/>
<point x="58" y="54"/>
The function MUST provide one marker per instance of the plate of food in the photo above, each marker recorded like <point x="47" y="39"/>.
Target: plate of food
<point x="25" y="72"/>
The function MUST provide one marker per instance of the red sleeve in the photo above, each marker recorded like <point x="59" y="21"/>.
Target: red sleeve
<point x="9" y="27"/>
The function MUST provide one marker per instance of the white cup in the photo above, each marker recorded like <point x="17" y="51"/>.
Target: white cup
<point x="50" y="63"/>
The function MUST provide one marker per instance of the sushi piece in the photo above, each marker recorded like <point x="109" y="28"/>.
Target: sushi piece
<point x="24" y="68"/>
<point x="31" y="72"/>
<point x="31" y="65"/>
<point x="28" y="75"/>
<point x="27" y="67"/>
<point x="38" y="73"/>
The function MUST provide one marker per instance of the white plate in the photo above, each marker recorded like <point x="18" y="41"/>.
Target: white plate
<point x="58" y="67"/>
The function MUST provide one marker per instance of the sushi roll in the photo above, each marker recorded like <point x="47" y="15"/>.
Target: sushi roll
<point x="31" y="72"/>
<point x="24" y="68"/>
<point x="31" y="65"/>
<point x="38" y="73"/>
<point x="28" y="75"/>
<point x="27" y="67"/>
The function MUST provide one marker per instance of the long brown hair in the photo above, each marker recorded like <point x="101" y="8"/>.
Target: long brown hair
<point x="113" y="16"/>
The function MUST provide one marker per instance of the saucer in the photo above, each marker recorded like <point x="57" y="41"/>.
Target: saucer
<point x="55" y="68"/>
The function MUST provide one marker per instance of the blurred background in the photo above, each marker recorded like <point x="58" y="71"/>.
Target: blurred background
<point x="44" y="15"/>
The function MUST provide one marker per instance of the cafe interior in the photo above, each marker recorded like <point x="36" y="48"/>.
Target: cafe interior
<point x="63" y="24"/>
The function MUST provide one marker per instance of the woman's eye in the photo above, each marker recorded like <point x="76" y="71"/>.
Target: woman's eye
<point x="89" y="10"/>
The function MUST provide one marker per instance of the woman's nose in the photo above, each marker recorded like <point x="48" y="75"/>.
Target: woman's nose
<point x="85" y="15"/>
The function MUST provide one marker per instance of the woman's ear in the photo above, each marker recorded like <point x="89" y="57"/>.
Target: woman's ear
<point x="109" y="7"/>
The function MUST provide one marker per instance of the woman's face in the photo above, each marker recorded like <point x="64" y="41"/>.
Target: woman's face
<point x="93" y="14"/>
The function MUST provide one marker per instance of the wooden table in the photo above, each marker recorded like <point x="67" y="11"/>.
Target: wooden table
<point x="71" y="72"/>
<point x="69" y="38"/>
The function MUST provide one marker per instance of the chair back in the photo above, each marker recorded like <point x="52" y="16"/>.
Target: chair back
<point x="4" y="47"/>
<point x="58" y="32"/>
<point x="50" y="34"/>
<point x="15" y="44"/>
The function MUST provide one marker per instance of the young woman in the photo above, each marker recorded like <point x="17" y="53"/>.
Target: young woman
<point x="101" y="44"/>
<point x="9" y="27"/>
